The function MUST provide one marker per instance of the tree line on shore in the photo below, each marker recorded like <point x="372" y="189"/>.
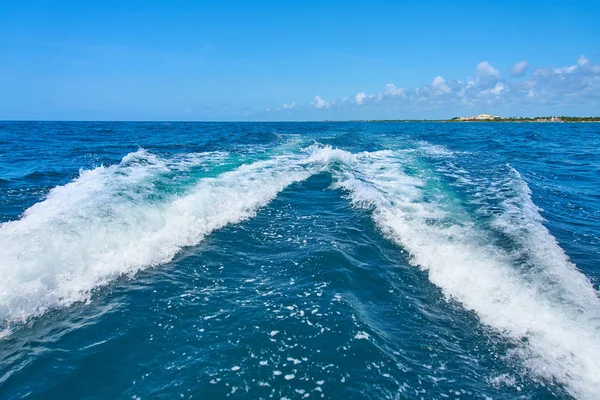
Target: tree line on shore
<point x="532" y="119"/>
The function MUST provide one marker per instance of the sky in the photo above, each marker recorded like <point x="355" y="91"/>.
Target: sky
<point x="309" y="60"/>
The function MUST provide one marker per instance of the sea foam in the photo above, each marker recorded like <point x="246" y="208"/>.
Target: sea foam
<point x="549" y="310"/>
<point x="114" y="220"/>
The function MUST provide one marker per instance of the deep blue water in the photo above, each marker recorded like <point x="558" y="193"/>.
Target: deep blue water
<point x="299" y="260"/>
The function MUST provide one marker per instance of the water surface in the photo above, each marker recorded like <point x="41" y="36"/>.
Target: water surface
<point x="297" y="260"/>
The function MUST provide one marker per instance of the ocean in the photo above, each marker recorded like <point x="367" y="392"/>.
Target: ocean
<point x="353" y="260"/>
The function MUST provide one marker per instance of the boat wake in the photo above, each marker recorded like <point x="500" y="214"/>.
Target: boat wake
<point x="120" y="219"/>
<point x="528" y="292"/>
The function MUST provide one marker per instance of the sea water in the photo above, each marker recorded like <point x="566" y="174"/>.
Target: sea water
<point x="299" y="260"/>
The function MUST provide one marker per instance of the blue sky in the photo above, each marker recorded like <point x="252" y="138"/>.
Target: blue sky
<point x="259" y="60"/>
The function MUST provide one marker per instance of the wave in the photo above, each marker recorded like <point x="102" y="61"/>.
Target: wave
<point x="114" y="220"/>
<point x="530" y="293"/>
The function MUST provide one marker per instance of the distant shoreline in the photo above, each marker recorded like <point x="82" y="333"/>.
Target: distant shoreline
<point x="517" y="120"/>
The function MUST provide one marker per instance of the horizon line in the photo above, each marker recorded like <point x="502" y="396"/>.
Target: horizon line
<point x="289" y="121"/>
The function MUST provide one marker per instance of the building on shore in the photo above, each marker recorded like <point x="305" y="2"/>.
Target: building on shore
<point x="480" y="117"/>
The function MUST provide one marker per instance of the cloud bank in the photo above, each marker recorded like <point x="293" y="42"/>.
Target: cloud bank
<point x="522" y="88"/>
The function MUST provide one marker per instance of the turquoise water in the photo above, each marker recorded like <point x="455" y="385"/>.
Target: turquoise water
<point x="299" y="260"/>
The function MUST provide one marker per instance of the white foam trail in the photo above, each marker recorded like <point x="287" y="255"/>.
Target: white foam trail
<point x="111" y="221"/>
<point x="557" y="337"/>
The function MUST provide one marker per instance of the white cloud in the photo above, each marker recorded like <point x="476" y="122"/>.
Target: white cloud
<point x="519" y="68"/>
<point x="485" y="70"/>
<point x="565" y="70"/>
<point x="497" y="89"/>
<point x="360" y="97"/>
<point x="594" y="69"/>
<point x="392" y="90"/>
<point x="570" y="85"/>
<point x="541" y="72"/>
<point x="581" y="61"/>
<point x="318" y="102"/>
<point x="440" y="86"/>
